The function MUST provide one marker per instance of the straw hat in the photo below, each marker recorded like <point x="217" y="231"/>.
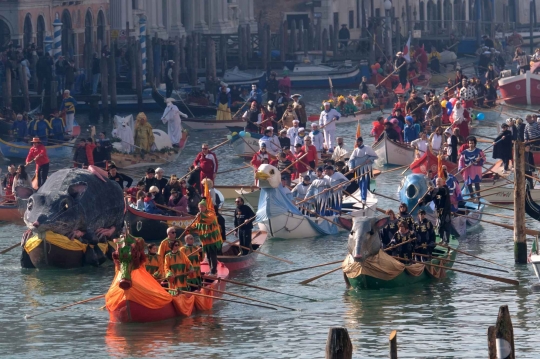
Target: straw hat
<point x="35" y="140"/>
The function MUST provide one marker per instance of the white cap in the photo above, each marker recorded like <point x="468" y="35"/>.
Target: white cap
<point x="300" y="129"/>
<point x="270" y="128"/>
<point x="314" y="124"/>
<point x="295" y="121"/>
<point x="327" y="103"/>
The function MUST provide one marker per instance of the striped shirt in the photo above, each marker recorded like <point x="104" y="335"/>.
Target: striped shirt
<point x="532" y="131"/>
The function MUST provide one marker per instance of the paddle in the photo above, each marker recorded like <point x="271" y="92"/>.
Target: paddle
<point x="218" y="146"/>
<point x="234" y="169"/>
<point x="507" y="226"/>
<point x="387" y="77"/>
<point x="472" y="255"/>
<point x="64" y="306"/>
<point x="309" y="280"/>
<point x="10" y="248"/>
<point x="498" y="279"/>
<point x="301" y="269"/>
<point x="255" y="287"/>
<point x="292" y="164"/>
<point x="171" y="209"/>
<point x="465" y="263"/>
<point x="219" y="298"/>
<point x="241" y="296"/>
<point x="261" y="253"/>
<point x="322" y="217"/>
<point x="400" y="244"/>
<point x="240" y="109"/>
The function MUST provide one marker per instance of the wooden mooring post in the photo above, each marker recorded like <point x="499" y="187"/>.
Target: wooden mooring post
<point x="520" y="236"/>
<point x="501" y="336"/>
<point x="24" y="87"/>
<point x="176" y="59"/>
<point x="8" y="97"/>
<point x="392" y="339"/>
<point x="150" y="43"/>
<point x="138" y="77"/>
<point x="338" y="344"/>
<point x="112" y="82"/>
<point x="104" y="64"/>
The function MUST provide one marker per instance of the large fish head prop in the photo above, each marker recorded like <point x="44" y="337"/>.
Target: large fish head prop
<point x="412" y="188"/>
<point x="268" y="176"/>
<point x="364" y="239"/>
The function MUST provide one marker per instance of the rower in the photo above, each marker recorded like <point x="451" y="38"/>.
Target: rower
<point x="402" y="235"/>
<point x="194" y="255"/>
<point x="388" y="231"/>
<point x="166" y="244"/>
<point x="292" y="133"/>
<point x="335" y="178"/>
<point x="153" y="264"/>
<point x="176" y="268"/>
<point x="284" y="141"/>
<point x="426" y="236"/>
<point x="318" y="187"/>
<point x="317" y="139"/>
<point x="362" y="156"/>
<point x="243" y="217"/>
<point x="300" y="190"/>
<point x="207" y="226"/>
<point x="339" y="152"/>
<point x="405" y="216"/>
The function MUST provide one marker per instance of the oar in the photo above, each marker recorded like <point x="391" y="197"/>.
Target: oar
<point x="322" y="217"/>
<point x="64" y="306"/>
<point x="234" y="229"/>
<point x="465" y="263"/>
<point x="469" y="254"/>
<point x="219" y="298"/>
<point x="255" y="287"/>
<point x="400" y="244"/>
<point x="309" y="280"/>
<point x="498" y="279"/>
<point x="396" y="169"/>
<point x="261" y="253"/>
<point x="292" y="164"/>
<point x="171" y="209"/>
<point x="240" y="109"/>
<point x="302" y="269"/>
<point x="218" y="146"/>
<point x="241" y="296"/>
<point x="234" y="169"/>
<point x="10" y="248"/>
<point x="387" y="77"/>
<point x="507" y="226"/>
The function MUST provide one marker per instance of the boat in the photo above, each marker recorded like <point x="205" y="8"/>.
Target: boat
<point x="201" y="124"/>
<point x="429" y="161"/>
<point x="250" y="196"/>
<point x="153" y="227"/>
<point x="358" y="116"/>
<point x="166" y="154"/>
<point x="393" y="153"/>
<point x="245" y="146"/>
<point x="379" y="270"/>
<point x="20" y="149"/>
<point x="422" y="80"/>
<point x="520" y="89"/>
<point x="307" y="75"/>
<point x="11" y="213"/>
<point x="136" y="297"/>
<point x="233" y="261"/>
<point x="237" y="77"/>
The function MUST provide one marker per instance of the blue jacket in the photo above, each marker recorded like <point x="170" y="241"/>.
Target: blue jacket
<point x="256" y="95"/>
<point x="19" y="128"/>
<point x="69" y="105"/>
<point x="41" y="128"/>
<point x="57" y="125"/>
<point x="31" y="128"/>
<point x="410" y="133"/>
<point x="150" y="207"/>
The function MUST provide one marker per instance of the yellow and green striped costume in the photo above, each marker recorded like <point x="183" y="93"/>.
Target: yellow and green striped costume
<point x="153" y="265"/>
<point x="208" y="229"/>
<point x="176" y="268"/>
<point x="195" y="259"/>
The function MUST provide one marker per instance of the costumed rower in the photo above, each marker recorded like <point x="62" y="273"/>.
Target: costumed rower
<point x="292" y="133"/>
<point x="364" y="156"/>
<point x="166" y="245"/>
<point x="318" y="190"/>
<point x="328" y="119"/>
<point x="153" y="264"/>
<point x="272" y="142"/>
<point x="176" y="268"/>
<point x="38" y="152"/>
<point x="207" y="162"/>
<point x="387" y="232"/>
<point x="335" y="178"/>
<point x="19" y="128"/>
<point x="144" y="137"/>
<point x="426" y="236"/>
<point x="195" y="255"/>
<point x="317" y="139"/>
<point x="405" y="216"/>
<point x="223" y="103"/>
<point x="454" y="190"/>
<point x="243" y="215"/>
<point x="471" y="162"/>
<point x="171" y="116"/>
<point x="208" y="229"/>
<point x="403" y="234"/>
<point x="340" y="153"/>
<point x="57" y="127"/>
<point x="252" y="117"/>
<point x="69" y="104"/>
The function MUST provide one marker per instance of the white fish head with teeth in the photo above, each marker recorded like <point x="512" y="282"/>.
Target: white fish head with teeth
<point x="268" y="176"/>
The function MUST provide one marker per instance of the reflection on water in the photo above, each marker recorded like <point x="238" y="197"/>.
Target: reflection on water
<point x="447" y="319"/>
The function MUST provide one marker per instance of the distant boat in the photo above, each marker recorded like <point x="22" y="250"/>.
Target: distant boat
<point x="393" y="153"/>
<point x="20" y="149"/>
<point x="520" y="89"/>
<point x="357" y="116"/>
<point x="316" y="76"/>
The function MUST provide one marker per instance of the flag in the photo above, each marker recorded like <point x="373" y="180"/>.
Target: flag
<point x="406" y="49"/>
<point x="440" y="172"/>
<point x="534" y="249"/>
<point x="358" y="133"/>
<point x="207" y="195"/>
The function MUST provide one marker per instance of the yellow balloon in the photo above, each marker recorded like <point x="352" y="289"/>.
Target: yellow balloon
<point x="234" y="133"/>
<point x="443" y="103"/>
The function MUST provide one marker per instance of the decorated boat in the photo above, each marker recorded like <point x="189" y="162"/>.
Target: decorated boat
<point x="421" y="80"/>
<point x="429" y="161"/>
<point x="165" y="153"/>
<point x="357" y="116"/>
<point x="153" y="227"/>
<point x="245" y="144"/>
<point x="367" y="266"/>
<point x="136" y="297"/>
<point x="233" y="261"/>
<point x="20" y="149"/>
<point x="393" y="153"/>
<point x="520" y="89"/>
<point x="307" y="75"/>
<point x="10" y="212"/>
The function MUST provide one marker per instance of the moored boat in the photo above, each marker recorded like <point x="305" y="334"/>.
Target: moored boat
<point x="153" y="227"/>
<point x="318" y="76"/>
<point x="233" y="261"/>
<point x="245" y="146"/>
<point x="11" y="213"/>
<point x="393" y="153"/>
<point x="520" y="89"/>
<point x="20" y="149"/>
<point x="357" y="116"/>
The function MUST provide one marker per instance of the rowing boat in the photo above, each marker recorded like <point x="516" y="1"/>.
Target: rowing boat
<point x="21" y="149"/>
<point x="393" y="153"/>
<point x="233" y="261"/>
<point x="357" y="116"/>
<point x="11" y="213"/>
<point x="153" y="227"/>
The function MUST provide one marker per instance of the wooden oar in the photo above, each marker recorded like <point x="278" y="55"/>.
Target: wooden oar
<point x="387" y="77"/>
<point x="171" y="209"/>
<point x="322" y="217"/>
<point x="395" y="169"/>
<point x="241" y="296"/>
<point x="498" y="279"/>
<point x="234" y="229"/>
<point x="442" y="244"/>
<point x="465" y="263"/>
<point x="502" y="225"/>
<point x="64" y="306"/>
<point x="259" y="252"/>
<point x="309" y="280"/>
<point x="301" y="269"/>
<point x="218" y="146"/>
<point x="254" y="286"/>
<point x="219" y="298"/>
<point x="400" y="244"/>
<point x="18" y="244"/>
<point x="297" y="160"/>
<point x="234" y="169"/>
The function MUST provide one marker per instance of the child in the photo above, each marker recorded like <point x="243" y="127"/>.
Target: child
<point x="195" y="256"/>
<point x="90" y="147"/>
<point x="140" y="200"/>
<point x="153" y="264"/>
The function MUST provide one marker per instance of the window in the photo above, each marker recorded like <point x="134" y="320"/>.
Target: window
<point x="336" y="20"/>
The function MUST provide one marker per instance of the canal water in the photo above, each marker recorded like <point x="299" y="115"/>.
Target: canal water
<point x="446" y="319"/>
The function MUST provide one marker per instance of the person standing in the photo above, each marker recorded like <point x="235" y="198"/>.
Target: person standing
<point x="426" y="236"/>
<point x="171" y="117"/>
<point x="243" y="216"/>
<point x="340" y="153"/>
<point x="440" y="196"/>
<point x="252" y="117"/>
<point x="42" y="128"/>
<point x="166" y="245"/>
<point x="451" y="145"/>
<point x="70" y="74"/>
<point x="169" y="79"/>
<point x="19" y="128"/>
<point x="144" y="135"/>
<point x="69" y="105"/>
<point x="8" y="184"/>
<point x="38" y="153"/>
<point x="344" y="36"/>
<point x="272" y="87"/>
<point x="223" y="102"/>
<point x="255" y="94"/>
<point x="285" y="84"/>
<point x="207" y="162"/>
<point x="402" y="68"/>
<point x="206" y="225"/>
<point x="195" y="255"/>
<point x="299" y="107"/>
<point x="149" y="179"/>
<point x="502" y="146"/>
<point x="60" y="71"/>
<point x="57" y="127"/>
<point x="176" y="268"/>
<point x="96" y="73"/>
<point x="119" y="177"/>
<point x="317" y="138"/>
<point x="80" y="159"/>
<point x="362" y="157"/>
<point x="471" y="163"/>
<point x="328" y="119"/>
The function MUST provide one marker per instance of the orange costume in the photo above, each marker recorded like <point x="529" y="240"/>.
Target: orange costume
<point x="176" y="268"/>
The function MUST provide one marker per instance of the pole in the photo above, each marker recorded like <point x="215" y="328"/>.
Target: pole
<point x="338" y="344"/>
<point x="408" y="16"/>
<point x="520" y="236"/>
<point x="150" y="60"/>
<point x="389" y="33"/>
<point x="112" y="82"/>
<point x="142" y="42"/>
<point x="393" y="344"/>
<point x="104" y="83"/>
<point x="504" y="333"/>
<point x="531" y="25"/>
<point x="57" y="26"/>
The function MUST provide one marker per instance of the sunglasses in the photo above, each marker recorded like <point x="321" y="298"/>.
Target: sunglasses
<point x="172" y="232"/>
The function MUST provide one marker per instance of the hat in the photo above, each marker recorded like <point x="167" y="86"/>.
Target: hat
<point x="262" y="145"/>
<point x="360" y="139"/>
<point x="298" y="145"/>
<point x="296" y="95"/>
<point x="328" y="167"/>
<point x="153" y="189"/>
<point x="112" y="166"/>
<point x="326" y="103"/>
<point x="319" y="169"/>
<point x="301" y="129"/>
<point x="283" y="131"/>
<point x="203" y="201"/>
<point x="295" y="121"/>
<point x="270" y="128"/>
<point x="307" y="178"/>
<point x="314" y="124"/>
<point x="409" y="118"/>
<point x="35" y="140"/>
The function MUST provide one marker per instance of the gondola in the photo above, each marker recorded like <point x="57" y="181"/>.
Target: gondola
<point x="531" y="207"/>
<point x="153" y="227"/>
<point x="233" y="261"/>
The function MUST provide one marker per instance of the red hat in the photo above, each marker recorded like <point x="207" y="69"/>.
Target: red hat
<point x="36" y="140"/>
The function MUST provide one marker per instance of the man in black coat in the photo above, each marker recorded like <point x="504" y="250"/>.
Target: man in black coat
<point x="401" y="64"/>
<point x="243" y="214"/>
<point x="149" y="179"/>
<point x="272" y="87"/>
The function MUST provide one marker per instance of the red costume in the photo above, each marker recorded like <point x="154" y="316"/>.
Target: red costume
<point x="377" y="130"/>
<point x="400" y="105"/>
<point x="258" y="157"/>
<point x="422" y="58"/>
<point x="208" y="164"/>
<point x="301" y="166"/>
<point x="90" y="153"/>
<point x="464" y="125"/>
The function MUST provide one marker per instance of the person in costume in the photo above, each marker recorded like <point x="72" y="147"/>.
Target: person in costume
<point x="288" y="117"/>
<point x="502" y="146"/>
<point x="153" y="264"/>
<point x="19" y="128"/>
<point x="403" y="234"/>
<point x="166" y="244"/>
<point x="171" y="117"/>
<point x="206" y="225"/>
<point x="334" y="178"/>
<point x="317" y="138"/>
<point x="243" y="217"/>
<point x="426" y="236"/>
<point x="176" y="268"/>
<point x="223" y="102"/>
<point x="388" y="231"/>
<point x="300" y="109"/>
<point x="405" y="216"/>
<point x="69" y="104"/>
<point x="454" y="190"/>
<point x="194" y="255"/>
<point x="362" y="156"/>
<point x="440" y="195"/>
<point x="38" y="152"/>
<point x="207" y="162"/>
<point x="42" y="128"/>
<point x="328" y="119"/>
<point x="340" y="153"/>
<point x="378" y="128"/>
<point x="471" y="163"/>
<point x="319" y="187"/>
<point x="292" y="133"/>
<point x="57" y="127"/>
<point x="144" y="137"/>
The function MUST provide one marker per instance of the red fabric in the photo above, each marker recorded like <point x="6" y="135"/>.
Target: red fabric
<point x="468" y="104"/>
<point x="462" y="148"/>
<point x="132" y="193"/>
<point x="399" y="105"/>
<point x="43" y="159"/>
<point x="206" y="164"/>
<point x="422" y="59"/>
<point x="285" y="85"/>
<point x="377" y="130"/>
<point x="257" y="158"/>
<point x="90" y="153"/>
<point x="312" y="153"/>
<point x="301" y="166"/>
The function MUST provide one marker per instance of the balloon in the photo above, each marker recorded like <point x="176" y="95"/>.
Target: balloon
<point x="449" y="112"/>
<point x="248" y="135"/>
<point x="449" y="106"/>
<point x="380" y="71"/>
<point x="378" y="66"/>
<point x="473" y="116"/>
<point x="242" y="133"/>
<point x="443" y="103"/>
<point x="480" y="116"/>
<point x="373" y="67"/>
<point x="234" y="133"/>
<point x="229" y="137"/>
<point x="453" y="101"/>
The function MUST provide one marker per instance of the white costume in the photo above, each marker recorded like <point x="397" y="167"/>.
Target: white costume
<point x="292" y="133"/>
<point x="421" y="145"/>
<point x="124" y="131"/>
<point x="330" y="130"/>
<point x="436" y="142"/>
<point x="299" y="140"/>
<point x="317" y="140"/>
<point x="363" y="156"/>
<point x="171" y="115"/>
<point x="339" y="154"/>
<point x="272" y="144"/>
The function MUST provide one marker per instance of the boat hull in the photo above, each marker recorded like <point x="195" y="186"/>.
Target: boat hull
<point x="211" y="124"/>
<point x="521" y="89"/>
<point x="233" y="262"/>
<point x="153" y="227"/>
<point x="20" y="149"/>
<point x="251" y="196"/>
<point x="246" y="148"/>
<point x="11" y="214"/>
<point x="392" y="153"/>
<point x="315" y="80"/>
<point x="358" y="116"/>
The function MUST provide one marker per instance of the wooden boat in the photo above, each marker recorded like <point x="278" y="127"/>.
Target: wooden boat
<point x="358" y="116"/>
<point x="200" y="124"/>
<point x="151" y="159"/>
<point x="371" y="274"/>
<point x="20" y="149"/>
<point x="233" y="262"/>
<point x="11" y="213"/>
<point x="245" y="146"/>
<point x="153" y="227"/>
<point x="429" y="161"/>
<point x="191" y="108"/>
<point x="531" y="207"/>
<point x="317" y="76"/>
<point x="521" y="89"/>
<point x="393" y="153"/>
<point x="231" y="192"/>
<point x="136" y="297"/>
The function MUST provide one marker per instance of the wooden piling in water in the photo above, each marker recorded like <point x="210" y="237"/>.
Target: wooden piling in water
<point x="8" y="98"/>
<point x="176" y="65"/>
<point x="268" y="43"/>
<point x="393" y="344"/>
<point x="54" y="95"/>
<point x="310" y="37"/>
<point x="283" y="42"/>
<point x="504" y="333"/>
<point x="338" y="344"/>
<point x="293" y="37"/>
<point x="331" y="37"/>
<point x="520" y="237"/>
<point x="492" y="346"/>
<point x="324" y="44"/>
<point x="249" y="49"/>
<point x="112" y="82"/>
<point x="150" y="42"/>
<point x="194" y="62"/>
<point x="210" y="59"/>
<point x="138" y="77"/>
<point x="182" y="54"/>
<point x="240" y="45"/>
<point x="263" y="47"/>
<point x="33" y="66"/>
<point x="318" y="36"/>
<point x="104" y="67"/>
<point x="24" y="87"/>
<point x="223" y="51"/>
